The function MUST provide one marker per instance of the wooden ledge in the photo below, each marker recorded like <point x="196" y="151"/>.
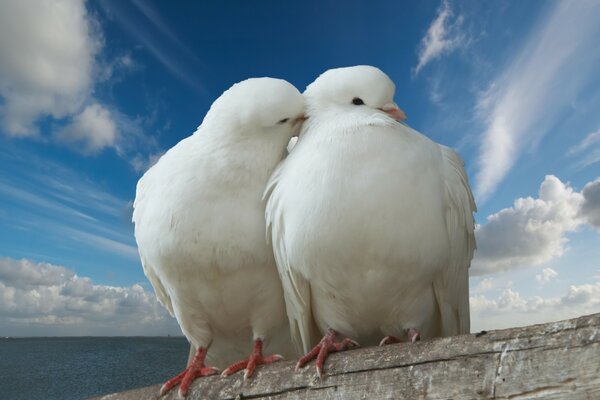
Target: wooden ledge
<point x="558" y="360"/>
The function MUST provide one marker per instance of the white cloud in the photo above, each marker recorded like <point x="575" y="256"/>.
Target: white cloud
<point x="141" y="163"/>
<point x="529" y="233"/>
<point x="587" y="151"/>
<point x="442" y="36"/>
<point x="587" y="141"/>
<point x="590" y="210"/>
<point x="45" y="299"/>
<point x="49" y="67"/>
<point x="47" y="51"/>
<point x="159" y="40"/>
<point x="537" y="88"/>
<point x="485" y="285"/>
<point x="511" y="309"/>
<point x="546" y="276"/>
<point x="90" y="131"/>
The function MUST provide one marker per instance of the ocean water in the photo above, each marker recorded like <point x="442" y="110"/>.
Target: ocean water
<point x="79" y="368"/>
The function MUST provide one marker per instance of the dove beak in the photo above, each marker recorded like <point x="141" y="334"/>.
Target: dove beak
<point x="394" y="111"/>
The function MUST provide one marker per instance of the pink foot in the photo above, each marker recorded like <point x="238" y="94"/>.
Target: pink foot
<point x="195" y="370"/>
<point x="321" y="351"/>
<point x="256" y="358"/>
<point x="413" y="336"/>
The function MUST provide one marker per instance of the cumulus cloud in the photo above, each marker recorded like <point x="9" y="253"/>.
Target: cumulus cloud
<point x="46" y="299"/>
<point x="47" y="51"/>
<point x="443" y="36"/>
<point x="531" y="232"/>
<point x="546" y="276"/>
<point x="590" y="209"/>
<point x="50" y="64"/>
<point x="511" y="309"/>
<point x="484" y="285"/>
<point x="90" y="131"/>
<point x="531" y="94"/>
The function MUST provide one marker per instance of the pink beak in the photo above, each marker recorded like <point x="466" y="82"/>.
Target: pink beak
<point x="394" y="111"/>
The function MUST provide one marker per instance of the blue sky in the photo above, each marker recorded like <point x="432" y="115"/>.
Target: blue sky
<point x="91" y="93"/>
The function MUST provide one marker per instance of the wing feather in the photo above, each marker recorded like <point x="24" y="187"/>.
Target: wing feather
<point x="139" y="217"/>
<point x="452" y="286"/>
<point x="296" y="288"/>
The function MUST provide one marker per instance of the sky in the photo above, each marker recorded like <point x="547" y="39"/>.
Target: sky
<point x="93" y="92"/>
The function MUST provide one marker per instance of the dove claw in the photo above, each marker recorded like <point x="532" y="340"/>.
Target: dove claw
<point x="389" y="340"/>
<point x="323" y="348"/>
<point x="195" y="370"/>
<point x="256" y="358"/>
<point x="413" y="335"/>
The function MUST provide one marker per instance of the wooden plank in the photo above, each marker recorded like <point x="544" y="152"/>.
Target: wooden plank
<point x="551" y="361"/>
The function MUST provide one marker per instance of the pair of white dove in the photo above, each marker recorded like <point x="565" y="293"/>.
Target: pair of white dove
<point x="369" y="225"/>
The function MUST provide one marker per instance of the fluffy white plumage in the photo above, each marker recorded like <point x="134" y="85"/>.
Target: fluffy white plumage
<point x="199" y="222"/>
<point x="371" y="222"/>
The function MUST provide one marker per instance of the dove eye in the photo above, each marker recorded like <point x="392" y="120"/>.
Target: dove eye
<point x="283" y="121"/>
<point x="357" y="101"/>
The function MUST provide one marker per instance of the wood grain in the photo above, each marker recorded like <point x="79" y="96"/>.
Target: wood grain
<point x="559" y="360"/>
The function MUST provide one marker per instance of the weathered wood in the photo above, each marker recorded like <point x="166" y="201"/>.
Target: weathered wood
<point x="552" y="361"/>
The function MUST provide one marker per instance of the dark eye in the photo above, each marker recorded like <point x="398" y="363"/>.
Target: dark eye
<point x="357" y="101"/>
<point x="283" y="121"/>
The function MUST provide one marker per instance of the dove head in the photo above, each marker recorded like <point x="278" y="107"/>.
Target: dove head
<point x="259" y="106"/>
<point x="361" y="89"/>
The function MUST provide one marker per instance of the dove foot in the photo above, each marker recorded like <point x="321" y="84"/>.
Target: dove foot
<point x="412" y="334"/>
<point x="256" y="358"/>
<point x="321" y="351"/>
<point x="196" y="369"/>
<point x="390" y="340"/>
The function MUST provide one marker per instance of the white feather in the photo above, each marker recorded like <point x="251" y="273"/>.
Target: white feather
<point x="371" y="222"/>
<point x="199" y="223"/>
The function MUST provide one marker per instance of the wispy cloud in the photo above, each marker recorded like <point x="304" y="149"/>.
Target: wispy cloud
<point x="159" y="40"/>
<point x="64" y="207"/>
<point x="547" y="275"/>
<point x="31" y="199"/>
<point x="559" y="58"/>
<point x="443" y="36"/>
<point x="103" y="243"/>
<point x="154" y="17"/>
<point x="587" y="151"/>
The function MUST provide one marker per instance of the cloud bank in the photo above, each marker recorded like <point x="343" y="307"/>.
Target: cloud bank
<point x="512" y="309"/>
<point x="49" y="300"/>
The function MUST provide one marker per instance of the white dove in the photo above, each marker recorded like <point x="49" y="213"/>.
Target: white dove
<point x="371" y="222"/>
<point x="199" y="226"/>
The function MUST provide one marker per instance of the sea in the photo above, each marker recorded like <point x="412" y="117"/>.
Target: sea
<point x="73" y="368"/>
